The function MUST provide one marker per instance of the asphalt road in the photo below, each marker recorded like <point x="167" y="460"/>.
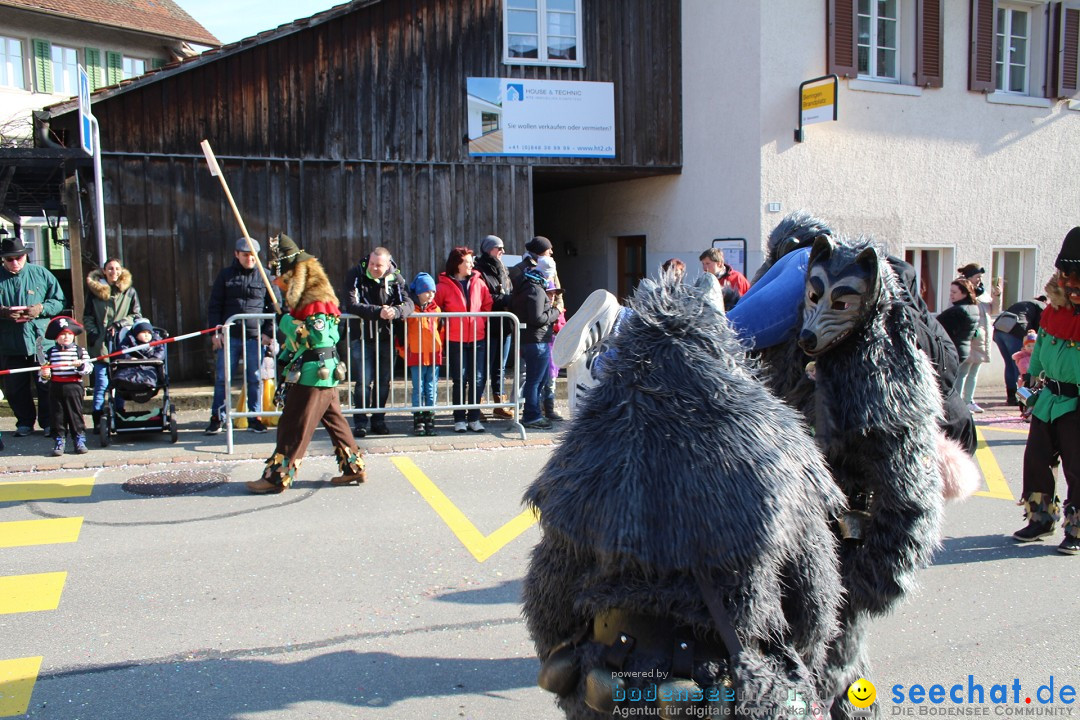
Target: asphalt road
<point x="400" y="598"/>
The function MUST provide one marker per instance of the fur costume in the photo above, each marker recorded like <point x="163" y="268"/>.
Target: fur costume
<point x="312" y="372"/>
<point x="797" y="229"/>
<point x="877" y="413"/>
<point x="680" y="468"/>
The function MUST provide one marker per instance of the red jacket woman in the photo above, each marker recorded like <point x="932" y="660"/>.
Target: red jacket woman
<point x="462" y="289"/>
<point x="450" y="297"/>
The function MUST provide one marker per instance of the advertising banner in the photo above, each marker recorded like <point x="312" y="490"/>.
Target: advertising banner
<point x="540" y="118"/>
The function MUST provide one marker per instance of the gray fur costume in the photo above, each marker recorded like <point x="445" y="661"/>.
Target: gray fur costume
<point x="877" y="413"/>
<point x="678" y="463"/>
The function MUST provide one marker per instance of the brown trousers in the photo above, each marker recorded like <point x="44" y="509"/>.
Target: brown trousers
<point x="304" y="408"/>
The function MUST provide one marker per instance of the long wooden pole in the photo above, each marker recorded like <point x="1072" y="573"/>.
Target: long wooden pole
<point x="211" y="160"/>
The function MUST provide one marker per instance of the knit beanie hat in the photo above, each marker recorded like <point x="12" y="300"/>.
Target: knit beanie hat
<point x="489" y="243"/>
<point x="142" y="326"/>
<point x="538" y="245"/>
<point x="422" y="283"/>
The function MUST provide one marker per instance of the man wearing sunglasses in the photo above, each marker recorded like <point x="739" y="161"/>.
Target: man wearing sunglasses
<point x="29" y="296"/>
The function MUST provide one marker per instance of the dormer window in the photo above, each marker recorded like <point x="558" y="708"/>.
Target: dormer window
<point x="542" y="32"/>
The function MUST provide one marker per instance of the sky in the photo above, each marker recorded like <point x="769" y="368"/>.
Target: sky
<point x="232" y="20"/>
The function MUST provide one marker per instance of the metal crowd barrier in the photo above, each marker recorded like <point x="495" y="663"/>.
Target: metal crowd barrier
<point x="383" y="345"/>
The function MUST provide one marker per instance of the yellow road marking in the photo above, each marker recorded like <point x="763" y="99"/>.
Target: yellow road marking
<point x="1001" y="429"/>
<point x="22" y="490"/>
<point x="995" y="479"/>
<point x="39" y="532"/>
<point x="17" y="678"/>
<point x="31" y="593"/>
<point x="482" y="547"/>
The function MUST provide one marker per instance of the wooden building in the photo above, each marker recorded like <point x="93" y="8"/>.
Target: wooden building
<point x="348" y="130"/>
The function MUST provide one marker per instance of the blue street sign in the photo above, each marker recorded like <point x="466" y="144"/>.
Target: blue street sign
<point x="86" y="134"/>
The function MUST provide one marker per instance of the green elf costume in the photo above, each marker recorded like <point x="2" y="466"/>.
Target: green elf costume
<point x="1055" y="421"/>
<point x="312" y="372"/>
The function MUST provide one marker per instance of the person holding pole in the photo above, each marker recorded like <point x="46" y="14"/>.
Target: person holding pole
<point x="312" y="371"/>
<point x="239" y="289"/>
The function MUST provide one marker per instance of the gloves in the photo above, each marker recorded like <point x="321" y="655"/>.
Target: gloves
<point x="34" y="311"/>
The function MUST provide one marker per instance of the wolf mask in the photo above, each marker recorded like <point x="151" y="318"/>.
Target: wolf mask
<point x="842" y="293"/>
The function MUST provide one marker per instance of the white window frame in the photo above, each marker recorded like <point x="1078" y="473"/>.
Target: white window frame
<point x="1002" y="66"/>
<point x="945" y="265"/>
<point x="1022" y="287"/>
<point x="11" y="65"/>
<point x="542" y="37"/>
<point x="65" y="70"/>
<point x="127" y="66"/>
<point x="872" y="72"/>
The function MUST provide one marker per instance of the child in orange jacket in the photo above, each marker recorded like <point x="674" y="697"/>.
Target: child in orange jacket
<point x="423" y="352"/>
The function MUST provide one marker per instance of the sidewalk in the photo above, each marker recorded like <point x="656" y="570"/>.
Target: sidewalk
<point x="32" y="453"/>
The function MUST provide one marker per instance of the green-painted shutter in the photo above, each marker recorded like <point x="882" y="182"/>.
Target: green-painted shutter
<point x="93" y="68"/>
<point x="43" y="65"/>
<point x="114" y="68"/>
<point x="156" y="63"/>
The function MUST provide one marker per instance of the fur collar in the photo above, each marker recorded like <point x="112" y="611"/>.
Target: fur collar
<point x="307" y="283"/>
<point x="100" y="288"/>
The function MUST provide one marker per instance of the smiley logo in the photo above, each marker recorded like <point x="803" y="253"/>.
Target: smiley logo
<point x="862" y="693"/>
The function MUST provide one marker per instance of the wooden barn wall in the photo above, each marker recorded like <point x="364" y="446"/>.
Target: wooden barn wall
<point x="387" y="82"/>
<point x="169" y="221"/>
<point x="349" y="135"/>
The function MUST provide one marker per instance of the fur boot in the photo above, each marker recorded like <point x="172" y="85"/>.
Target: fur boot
<point x="1042" y="511"/>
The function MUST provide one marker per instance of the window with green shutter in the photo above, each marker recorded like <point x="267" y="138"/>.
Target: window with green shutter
<point x="114" y="68"/>
<point x="43" y="66"/>
<point x="93" y="68"/>
<point x="156" y="63"/>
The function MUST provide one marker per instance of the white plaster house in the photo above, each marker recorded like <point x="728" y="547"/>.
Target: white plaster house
<point x="957" y="168"/>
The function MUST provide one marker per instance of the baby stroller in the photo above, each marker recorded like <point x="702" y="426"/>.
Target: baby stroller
<point x="136" y="378"/>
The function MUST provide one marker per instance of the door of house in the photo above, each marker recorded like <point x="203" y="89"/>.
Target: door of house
<point x="631" y="263"/>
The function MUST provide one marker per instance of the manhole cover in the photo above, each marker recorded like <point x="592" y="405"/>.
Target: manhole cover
<point x="174" y="482"/>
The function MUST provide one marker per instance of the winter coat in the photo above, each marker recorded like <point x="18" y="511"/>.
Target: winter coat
<point x="1028" y="313"/>
<point x="239" y="290"/>
<point x="422" y="338"/>
<point x="1057" y="354"/>
<point x="989" y="306"/>
<point x="449" y="298"/>
<point x="106" y="304"/>
<point x="734" y="279"/>
<point x="33" y="285"/>
<point x="532" y="306"/>
<point x="365" y="297"/>
<point x="497" y="279"/>
<point x="528" y="262"/>
<point x="961" y="322"/>
<point x="146" y="375"/>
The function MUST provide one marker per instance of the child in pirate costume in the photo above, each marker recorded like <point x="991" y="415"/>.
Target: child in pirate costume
<point x="312" y="371"/>
<point x="70" y="363"/>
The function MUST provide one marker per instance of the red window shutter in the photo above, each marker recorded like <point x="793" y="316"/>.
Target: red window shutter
<point x="1065" y="82"/>
<point x="930" y="19"/>
<point x="841" y="21"/>
<point x="981" y="72"/>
